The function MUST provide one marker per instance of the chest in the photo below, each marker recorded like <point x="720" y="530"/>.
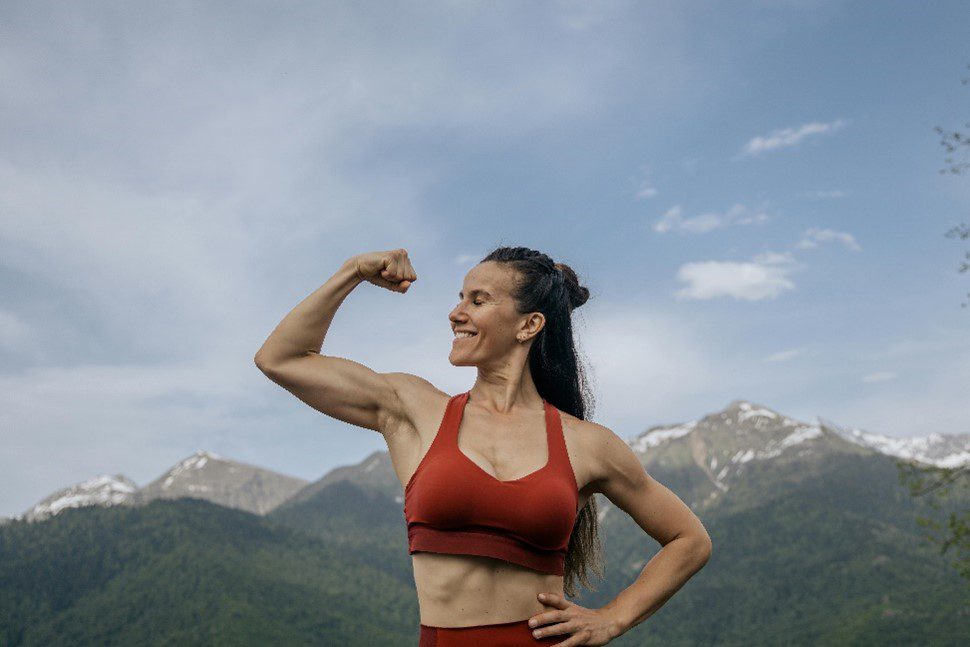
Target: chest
<point x="503" y="450"/>
<point x="506" y="449"/>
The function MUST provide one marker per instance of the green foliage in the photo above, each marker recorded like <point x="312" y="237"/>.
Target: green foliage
<point x="834" y="559"/>
<point x="823" y="552"/>
<point x="364" y="523"/>
<point x="190" y="572"/>
<point x="943" y="488"/>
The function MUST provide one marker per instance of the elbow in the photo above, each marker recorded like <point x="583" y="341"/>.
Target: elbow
<point x="705" y="547"/>
<point x="262" y="363"/>
<point x="271" y="366"/>
<point x="709" y="550"/>
<point x="699" y="548"/>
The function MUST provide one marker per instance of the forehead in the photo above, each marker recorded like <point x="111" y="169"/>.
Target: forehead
<point x="487" y="277"/>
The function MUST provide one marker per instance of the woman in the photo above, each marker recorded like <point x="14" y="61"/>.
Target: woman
<point x="502" y="524"/>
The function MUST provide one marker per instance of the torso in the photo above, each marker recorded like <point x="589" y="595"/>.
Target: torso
<point x="468" y="590"/>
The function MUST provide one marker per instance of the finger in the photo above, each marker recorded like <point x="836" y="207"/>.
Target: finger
<point x="543" y="619"/>
<point x="389" y="267"/>
<point x="390" y="285"/>
<point x="401" y="271"/>
<point x="386" y="280"/>
<point x="410" y="276"/>
<point x="399" y="262"/>
<point x="562" y="626"/>
<point x="392" y="275"/>
<point x="553" y="600"/>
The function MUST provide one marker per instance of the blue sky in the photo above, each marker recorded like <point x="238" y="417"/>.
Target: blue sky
<point x="750" y="190"/>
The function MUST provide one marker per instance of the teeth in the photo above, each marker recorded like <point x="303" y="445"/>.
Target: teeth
<point x="464" y="334"/>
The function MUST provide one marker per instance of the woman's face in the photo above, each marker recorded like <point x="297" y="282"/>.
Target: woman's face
<point x="485" y="308"/>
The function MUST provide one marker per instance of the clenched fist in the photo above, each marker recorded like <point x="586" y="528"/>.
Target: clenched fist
<point x="391" y="270"/>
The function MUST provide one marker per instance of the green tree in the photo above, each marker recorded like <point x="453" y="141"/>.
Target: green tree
<point x="942" y="486"/>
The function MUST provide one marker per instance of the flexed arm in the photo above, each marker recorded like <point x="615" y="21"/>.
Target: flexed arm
<point x="341" y="388"/>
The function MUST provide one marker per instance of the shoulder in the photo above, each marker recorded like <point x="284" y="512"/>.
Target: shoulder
<point x="622" y="478"/>
<point x="611" y="461"/>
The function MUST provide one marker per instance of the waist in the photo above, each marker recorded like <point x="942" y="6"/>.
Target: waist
<point x="471" y="590"/>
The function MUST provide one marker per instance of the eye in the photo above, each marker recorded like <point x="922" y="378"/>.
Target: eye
<point x="477" y="303"/>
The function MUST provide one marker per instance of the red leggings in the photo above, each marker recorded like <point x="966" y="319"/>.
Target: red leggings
<point x="504" y="634"/>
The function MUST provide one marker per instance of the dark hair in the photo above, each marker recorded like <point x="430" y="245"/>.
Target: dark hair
<point x="541" y="285"/>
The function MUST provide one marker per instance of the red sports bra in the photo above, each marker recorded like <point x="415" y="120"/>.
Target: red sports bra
<point x="454" y="506"/>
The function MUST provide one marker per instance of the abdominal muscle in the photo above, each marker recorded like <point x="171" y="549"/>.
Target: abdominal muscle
<point x="468" y="590"/>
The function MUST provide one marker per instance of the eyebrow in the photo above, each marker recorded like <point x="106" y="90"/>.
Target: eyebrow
<point x="474" y="292"/>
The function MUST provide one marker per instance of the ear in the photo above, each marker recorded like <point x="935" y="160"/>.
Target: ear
<point x="533" y="325"/>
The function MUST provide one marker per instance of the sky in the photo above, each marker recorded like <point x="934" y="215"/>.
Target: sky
<point x="750" y="190"/>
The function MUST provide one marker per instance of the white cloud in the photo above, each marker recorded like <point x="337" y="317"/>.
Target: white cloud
<point x="788" y="137"/>
<point x="812" y="237"/>
<point x="748" y="281"/>
<point x="674" y="220"/>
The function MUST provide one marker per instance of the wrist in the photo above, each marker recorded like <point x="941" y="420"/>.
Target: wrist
<point x="618" y="622"/>
<point x="351" y="266"/>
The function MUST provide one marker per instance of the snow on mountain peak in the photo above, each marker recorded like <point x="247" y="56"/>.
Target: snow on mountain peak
<point x="745" y="431"/>
<point x="103" y="489"/>
<point x="659" y="436"/>
<point x="196" y="461"/>
<point x="941" y="450"/>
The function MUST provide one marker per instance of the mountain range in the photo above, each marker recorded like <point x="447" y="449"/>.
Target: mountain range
<point x="719" y="445"/>
<point x="816" y="541"/>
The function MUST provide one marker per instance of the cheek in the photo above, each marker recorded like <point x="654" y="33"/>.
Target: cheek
<point x="497" y="330"/>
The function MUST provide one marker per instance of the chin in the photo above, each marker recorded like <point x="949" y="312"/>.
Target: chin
<point x="459" y="362"/>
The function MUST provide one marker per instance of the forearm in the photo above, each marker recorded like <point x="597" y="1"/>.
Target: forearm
<point x="663" y="576"/>
<point x="303" y="330"/>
